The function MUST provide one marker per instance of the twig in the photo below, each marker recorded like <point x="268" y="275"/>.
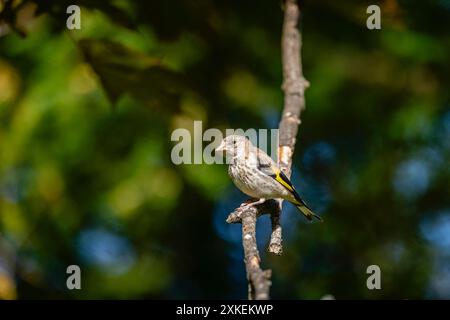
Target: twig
<point x="293" y="86"/>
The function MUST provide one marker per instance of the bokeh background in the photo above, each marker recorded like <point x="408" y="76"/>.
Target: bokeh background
<point x="86" y="176"/>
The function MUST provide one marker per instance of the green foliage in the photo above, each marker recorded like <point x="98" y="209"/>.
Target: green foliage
<point x="85" y="170"/>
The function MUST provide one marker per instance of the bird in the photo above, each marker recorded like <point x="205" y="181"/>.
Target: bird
<point x="255" y="173"/>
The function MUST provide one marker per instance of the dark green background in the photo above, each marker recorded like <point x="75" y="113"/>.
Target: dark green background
<point x="86" y="176"/>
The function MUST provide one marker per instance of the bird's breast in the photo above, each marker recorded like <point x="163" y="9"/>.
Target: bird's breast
<point x="246" y="178"/>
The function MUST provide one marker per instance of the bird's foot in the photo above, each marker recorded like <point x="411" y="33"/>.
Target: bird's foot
<point x="236" y="215"/>
<point x="247" y="205"/>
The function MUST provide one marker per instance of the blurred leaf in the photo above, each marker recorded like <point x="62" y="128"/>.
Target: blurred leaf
<point x="414" y="46"/>
<point x="58" y="8"/>
<point x="125" y="71"/>
<point x="17" y="15"/>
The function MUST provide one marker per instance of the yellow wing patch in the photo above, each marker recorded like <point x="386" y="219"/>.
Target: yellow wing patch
<point x="281" y="179"/>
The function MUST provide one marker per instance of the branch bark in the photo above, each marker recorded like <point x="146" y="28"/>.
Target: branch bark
<point x="294" y="86"/>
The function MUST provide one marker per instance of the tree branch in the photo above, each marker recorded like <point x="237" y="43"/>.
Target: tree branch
<point x="294" y="86"/>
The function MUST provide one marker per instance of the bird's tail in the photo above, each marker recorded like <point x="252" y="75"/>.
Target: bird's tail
<point x="307" y="212"/>
<point x="303" y="207"/>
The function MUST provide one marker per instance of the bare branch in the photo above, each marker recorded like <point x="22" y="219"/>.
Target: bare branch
<point x="259" y="280"/>
<point x="294" y="86"/>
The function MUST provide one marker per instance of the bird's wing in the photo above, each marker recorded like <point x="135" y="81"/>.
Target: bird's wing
<point x="267" y="166"/>
<point x="265" y="163"/>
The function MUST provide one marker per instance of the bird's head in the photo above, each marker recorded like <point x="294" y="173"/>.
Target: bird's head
<point x="233" y="144"/>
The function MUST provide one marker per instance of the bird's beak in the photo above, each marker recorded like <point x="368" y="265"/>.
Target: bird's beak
<point x="221" y="147"/>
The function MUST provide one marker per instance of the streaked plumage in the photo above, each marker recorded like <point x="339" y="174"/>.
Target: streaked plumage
<point x="257" y="175"/>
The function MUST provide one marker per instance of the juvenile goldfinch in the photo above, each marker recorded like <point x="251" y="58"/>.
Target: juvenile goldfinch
<point x="258" y="176"/>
